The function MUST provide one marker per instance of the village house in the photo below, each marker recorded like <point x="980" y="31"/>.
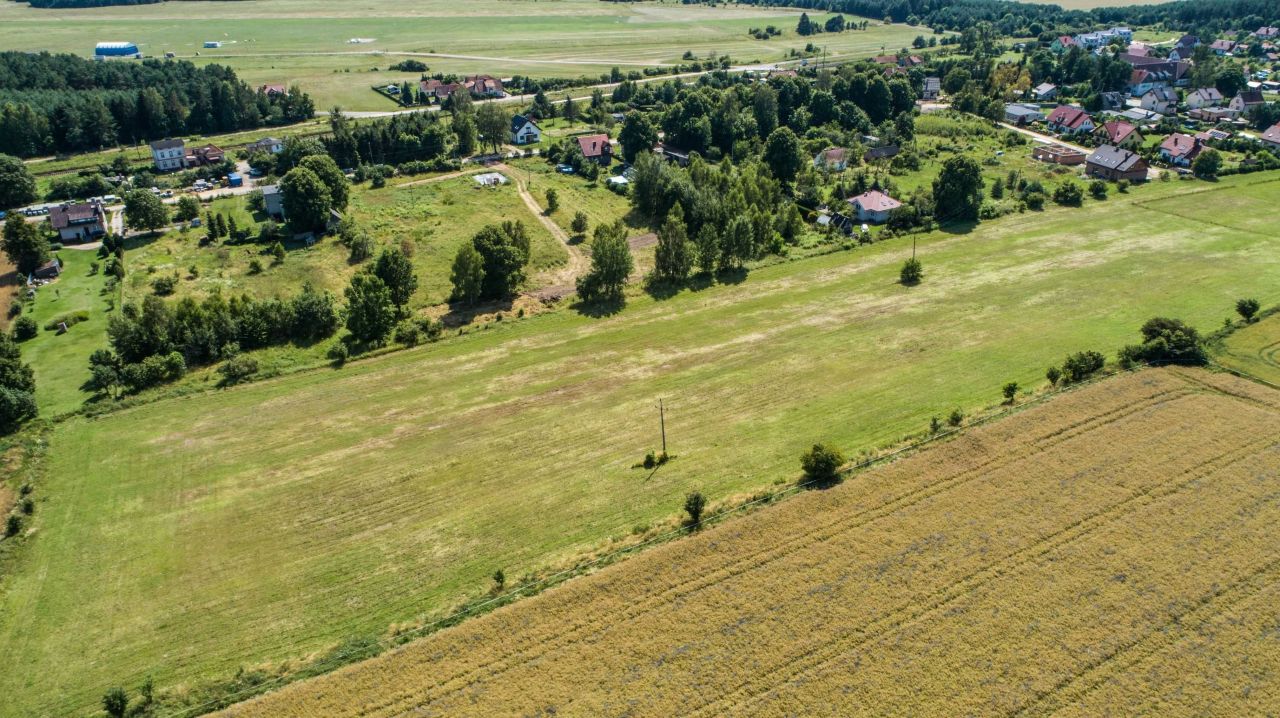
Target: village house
<point x="79" y="222"/>
<point x="1061" y="44"/>
<point x="1068" y="120"/>
<point x="167" y="155"/>
<point x="273" y="202"/>
<point x="1271" y="137"/>
<point x="1179" y="149"/>
<point x="484" y="86"/>
<point x="873" y="206"/>
<point x="1112" y="101"/>
<point x="438" y="90"/>
<point x="1246" y="101"/>
<point x="596" y="148"/>
<point x="1044" y="92"/>
<point x="931" y="89"/>
<point x="1119" y="134"/>
<point x="832" y="158"/>
<point x="274" y="90"/>
<point x="524" y="131"/>
<point x="1102" y="38"/>
<point x="1057" y="154"/>
<point x="1267" y="33"/>
<point x="206" y="155"/>
<point x="1021" y="114"/>
<point x="1222" y="47"/>
<point x="1212" y="114"/>
<point x="270" y="145"/>
<point x="1204" y="97"/>
<point x="1160" y="100"/>
<point x="1115" y="163"/>
<point x="1184" y="47"/>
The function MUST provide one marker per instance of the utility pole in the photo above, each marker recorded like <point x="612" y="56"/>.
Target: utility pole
<point x="662" y="422"/>
<point x="913" y="247"/>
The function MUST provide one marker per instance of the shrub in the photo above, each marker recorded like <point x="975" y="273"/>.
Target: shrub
<point x="116" y="702"/>
<point x="1068" y="193"/>
<point x="1246" y="308"/>
<point x="1167" y="341"/>
<point x="164" y="286"/>
<point x="238" y="368"/>
<point x="694" y="503"/>
<point x="1098" y="189"/>
<point x="25" y="328"/>
<point x="499" y="580"/>
<point x="955" y="418"/>
<point x="338" y="354"/>
<point x="1053" y="374"/>
<point x="255" y="267"/>
<point x="1082" y="365"/>
<point x="912" y="272"/>
<point x="935" y="425"/>
<point x="12" y="525"/>
<point x="70" y="319"/>
<point x="1122" y="186"/>
<point x="821" y="463"/>
<point x="1010" y="391"/>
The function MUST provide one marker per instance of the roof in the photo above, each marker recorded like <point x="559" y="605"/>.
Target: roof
<point x="1017" y="109"/>
<point x="1180" y="145"/>
<point x="832" y="154"/>
<point x="274" y="89"/>
<point x="1207" y="94"/>
<point x="166" y="144"/>
<point x="1162" y="93"/>
<point x="594" y="145"/>
<point x="270" y="190"/>
<point x="1117" y="132"/>
<point x="1044" y="87"/>
<point x="1251" y="97"/>
<point x="1272" y="134"/>
<point x="265" y="141"/>
<point x="875" y="201"/>
<point x="1068" y="116"/>
<point x="1115" y="158"/>
<point x="115" y="48"/>
<point x="932" y="83"/>
<point x="519" y="121"/>
<point x="66" y="215"/>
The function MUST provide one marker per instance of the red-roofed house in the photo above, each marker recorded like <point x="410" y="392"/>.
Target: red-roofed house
<point x="1069" y="120"/>
<point x="1271" y="137"/>
<point x="873" y="206"/>
<point x="1179" y="149"/>
<point x="484" y="86"/>
<point x="441" y="91"/>
<point x="1062" y="44"/>
<point x="596" y="148"/>
<point x="1119" y="134"/>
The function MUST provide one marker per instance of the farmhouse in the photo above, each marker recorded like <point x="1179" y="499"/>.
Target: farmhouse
<point x="1057" y="154"/>
<point x="167" y="155"/>
<point x="524" y="131"/>
<point x="1119" y="134"/>
<point x="1019" y="114"/>
<point x="80" y="222"/>
<point x="1271" y="137"/>
<point x="1179" y="149"/>
<point x="1044" y="92"/>
<point x="832" y="158"/>
<point x="484" y="86"/>
<point x="873" y="206"/>
<point x="1204" y="97"/>
<point x="1160" y="100"/>
<point x="1246" y="101"/>
<point x="1069" y="120"/>
<point x="1114" y="163"/>
<point x="596" y="148"/>
<point x="270" y="145"/>
<point x="116" y="51"/>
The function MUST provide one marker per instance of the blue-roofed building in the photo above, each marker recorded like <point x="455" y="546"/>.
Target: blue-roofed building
<point x="117" y="51"/>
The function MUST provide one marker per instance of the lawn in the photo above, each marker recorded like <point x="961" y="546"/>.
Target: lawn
<point x="266" y="522"/>
<point x="61" y="361"/>
<point x="307" y="40"/>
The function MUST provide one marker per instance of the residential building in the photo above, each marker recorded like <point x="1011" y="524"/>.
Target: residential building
<point x="1119" y="134"/>
<point x="167" y="155"/>
<point x="1115" y="163"/>
<point x="484" y="86"/>
<point x="1061" y="44"/>
<point x="1267" y="32"/>
<point x="273" y="90"/>
<point x="1069" y="120"/>
<point x="671" y="154"/>
<point x="1179" y="149"/>
<point x="1139" y="116"/>
<point x="1222" y="47"/>
<point x="273" y="202"/>
<point x="1160" y="100"/>
<point x="206" y="155"/>
<point x="1020" y="114"/>
<point x="1112" y="101"/>
<point x="873" y="206"/>
<point x="1204" y="97"/>
<point x="438" y="89"/>
<point x="524" y="130"/>
<point x="1058" y="154"/>
<point x="1184" y="47"/>
<point x="1102" y="38"/>
<point x="1044" y="92"/>
<point x="1271" y="138"/>
<point x="931" y="89"/>
<point x="1246" y="101"/>
<point x="1213" y="114"/>
<point x="116" y="51"/>
<point x="832" y="158"/>
<point x="1161" y="73"/>
<point x="78" y="222"/>
<point x="596" y="148"/>
<point x="270" y="145"/>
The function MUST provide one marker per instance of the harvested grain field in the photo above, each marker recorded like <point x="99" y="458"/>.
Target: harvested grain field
<point x="1080" y="557"/>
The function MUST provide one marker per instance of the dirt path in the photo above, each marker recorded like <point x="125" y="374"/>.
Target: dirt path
<point x="562" y="281"/>
<point x="441" y="178"/>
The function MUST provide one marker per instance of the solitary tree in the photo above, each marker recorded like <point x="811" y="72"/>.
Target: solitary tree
<point x="370" y="311"/>
<point x="957" y="191"/>
<point x="145" y="210"/>
<point x="611" y="264"/>
<point x="332" y="177"/>
<point x="580" y="223"/>
<point x="17" y="186"/>
<point x="307" y="199"/>
<point x="1207" y="164"/>
<point x="553" y="201"/>
<point x="912" y="272"/>
<point x="1247" y="308"/>
<point x="467" y="274"/>
<point x="188" y="208"/>
<point x="24" y="244"/>
<point x="1010" y="390"/>
<point x="492" y="121"/>
<point x="821" y="463"/>
<point x="694" y="504"/>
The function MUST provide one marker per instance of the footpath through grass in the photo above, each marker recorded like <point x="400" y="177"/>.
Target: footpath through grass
<point x="193" y="536"/>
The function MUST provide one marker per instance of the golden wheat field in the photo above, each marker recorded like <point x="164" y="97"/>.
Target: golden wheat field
<point x="1113" y="551"/>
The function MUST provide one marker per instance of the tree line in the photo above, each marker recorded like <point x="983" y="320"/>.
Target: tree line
<point x="64" y="103"/>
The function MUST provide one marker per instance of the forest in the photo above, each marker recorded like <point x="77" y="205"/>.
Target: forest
<point x="63" y="103"/>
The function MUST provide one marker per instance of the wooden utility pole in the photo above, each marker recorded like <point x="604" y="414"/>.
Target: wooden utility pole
<point x="662" y="422"/>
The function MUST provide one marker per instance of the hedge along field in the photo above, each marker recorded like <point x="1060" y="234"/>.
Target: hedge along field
<point x="306" y="41"/>
<point x="1041" y="562"/>
<point x="193" y="536"/>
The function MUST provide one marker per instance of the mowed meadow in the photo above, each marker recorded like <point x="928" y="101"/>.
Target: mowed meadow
<point x="307" y="41"/>
<point x="190" y="537"/>
<point x="1041" y="564"/>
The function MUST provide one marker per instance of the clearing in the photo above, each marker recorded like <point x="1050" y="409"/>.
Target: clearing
<point x="189" y="537"/>
<point x="1043" y="563"/>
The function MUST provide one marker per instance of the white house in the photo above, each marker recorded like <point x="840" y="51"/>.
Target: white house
<point x="1204" y="97"/>
<point x="1271" y="137"/>
<point x="168" y="155"/>
<point x="873" y="206"/>
<point x="1044" y="92"/>
<point x="524" y="131"/>
<point x="270" y="145"/>
<point x="1162" y="100"/>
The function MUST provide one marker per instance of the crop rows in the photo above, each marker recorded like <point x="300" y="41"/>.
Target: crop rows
<point x="1007" y="571"/>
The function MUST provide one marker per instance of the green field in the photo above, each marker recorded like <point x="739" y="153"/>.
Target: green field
<point x="193" y="536"/>
<point x="306" y="41"/>
<point x="1255" y="350"/>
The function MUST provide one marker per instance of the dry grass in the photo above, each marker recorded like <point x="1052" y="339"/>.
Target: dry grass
<point x="1080" y="557"/>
